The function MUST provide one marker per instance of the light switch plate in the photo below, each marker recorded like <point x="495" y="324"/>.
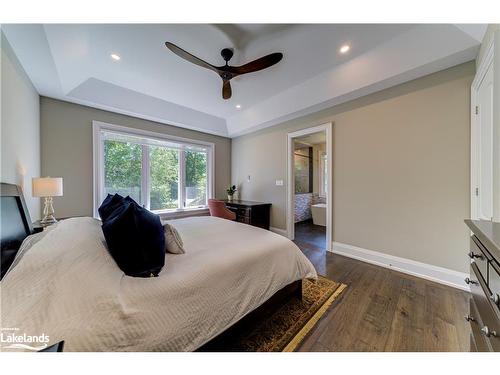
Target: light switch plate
<point x="279" y="182"/>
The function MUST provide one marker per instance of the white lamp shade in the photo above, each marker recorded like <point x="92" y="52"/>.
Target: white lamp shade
<point x="47" y="187"/>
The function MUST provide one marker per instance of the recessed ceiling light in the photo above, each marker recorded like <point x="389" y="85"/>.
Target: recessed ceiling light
<point x="115" y="57"/>
<point x="345" y="48"/>
<point x="238" y="106"/>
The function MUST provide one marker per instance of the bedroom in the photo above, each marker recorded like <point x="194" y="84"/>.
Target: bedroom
<point x="286" y="195"/>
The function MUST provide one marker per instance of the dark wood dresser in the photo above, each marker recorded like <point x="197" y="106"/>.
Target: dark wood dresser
<point x="254" y="213"/>
<point x="484" y="282"/>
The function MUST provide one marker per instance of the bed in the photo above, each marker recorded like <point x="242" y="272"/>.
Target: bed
<point x="63" y="283"/>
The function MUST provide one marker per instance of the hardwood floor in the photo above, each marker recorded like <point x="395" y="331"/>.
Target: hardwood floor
<point x="384" y="310"/>
<point x="310" y="235"/>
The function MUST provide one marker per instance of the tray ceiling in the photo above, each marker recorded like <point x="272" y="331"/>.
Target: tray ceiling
<point x="72" y="62"/>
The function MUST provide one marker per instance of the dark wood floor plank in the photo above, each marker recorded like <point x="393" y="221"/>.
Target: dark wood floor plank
<point x="445" y="327"/>
<point x="318" y="347"/>
<point x="339" y="334"/>
<point x="373" y="330"/>
<point x="345" y="271"/>
<point x="381" y="317"/>
<point x="330" y="331"/>
<point x="407" y="328"/>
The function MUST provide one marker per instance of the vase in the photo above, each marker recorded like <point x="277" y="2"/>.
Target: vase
<point x="229" y="198"/>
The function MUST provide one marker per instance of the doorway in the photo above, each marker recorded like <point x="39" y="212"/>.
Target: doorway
<point x="309" y="186"/>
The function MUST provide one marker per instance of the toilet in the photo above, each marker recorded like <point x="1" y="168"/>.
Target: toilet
<point x="319" y="214"/>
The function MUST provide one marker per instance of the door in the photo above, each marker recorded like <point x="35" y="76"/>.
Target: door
<point x="484" y="121"/>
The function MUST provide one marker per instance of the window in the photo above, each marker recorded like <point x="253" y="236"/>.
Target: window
<point x="164" y="178"/>
<point x="323" y="176"/>
<point x="160" y="172"/>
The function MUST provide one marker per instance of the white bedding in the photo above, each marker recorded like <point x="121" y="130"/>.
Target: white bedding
<point x="68" y="287"/>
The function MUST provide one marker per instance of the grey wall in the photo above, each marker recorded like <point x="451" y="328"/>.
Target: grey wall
<point x="66" y="150"/>
<point x="20" y="130"/>
<point x="400" y="168"/>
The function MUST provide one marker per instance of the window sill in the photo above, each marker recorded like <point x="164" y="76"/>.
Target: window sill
<point x="179" y="214"/>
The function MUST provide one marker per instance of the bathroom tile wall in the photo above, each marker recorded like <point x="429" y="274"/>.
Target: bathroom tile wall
<point x="303" y="207"/>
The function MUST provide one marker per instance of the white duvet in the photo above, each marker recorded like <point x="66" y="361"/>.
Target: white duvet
<point x="68" y="287"/>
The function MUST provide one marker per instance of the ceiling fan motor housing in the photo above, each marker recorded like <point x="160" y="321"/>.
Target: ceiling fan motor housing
<point x="226" y="54"/>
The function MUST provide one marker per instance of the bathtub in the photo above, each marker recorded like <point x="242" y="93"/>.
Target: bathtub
<point x="319" y="214"/>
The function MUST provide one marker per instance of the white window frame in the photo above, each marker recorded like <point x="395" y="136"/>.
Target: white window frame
<point x="323" y="159"/>
<point x="98" y="164"/>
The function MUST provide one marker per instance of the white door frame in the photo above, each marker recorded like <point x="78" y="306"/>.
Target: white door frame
<point x="290" y="185"/>
<point x="475" y="129"/>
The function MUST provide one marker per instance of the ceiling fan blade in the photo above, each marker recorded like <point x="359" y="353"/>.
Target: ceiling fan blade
<point x="189" y="57"/>
<point x="256" y="65"/>
<point x="226" y="89"/>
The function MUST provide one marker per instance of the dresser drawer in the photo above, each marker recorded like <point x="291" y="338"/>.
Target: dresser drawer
<point x="244" y="212"/>
<point x="494" y="284"/>
<point x="243" y="219"/>
<point x="479" y="255"/>
<point x="487" y="316"/>
<point x="477" y="340"/>
<point x="240" y="211"/>
<point x="231" y="207"/>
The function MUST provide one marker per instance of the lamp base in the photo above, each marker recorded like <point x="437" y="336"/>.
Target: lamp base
<point x="48" y="213"/>
<point x="48" y="220"/>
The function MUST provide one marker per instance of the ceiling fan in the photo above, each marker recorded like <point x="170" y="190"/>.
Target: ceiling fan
<point x="227" y="72"/>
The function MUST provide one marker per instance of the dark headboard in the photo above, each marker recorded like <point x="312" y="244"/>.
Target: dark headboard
<point x="15" y="224"/>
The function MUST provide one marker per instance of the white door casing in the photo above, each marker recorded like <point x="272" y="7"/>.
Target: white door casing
<point x="290" y="223"/>
<point x="485" y="146"/>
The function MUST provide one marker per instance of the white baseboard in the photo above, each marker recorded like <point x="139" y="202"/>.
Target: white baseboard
<point x="279" y="231"/>
<point x="426" y="271"/>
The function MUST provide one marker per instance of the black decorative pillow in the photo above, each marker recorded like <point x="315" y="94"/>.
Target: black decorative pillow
<point x="111" y="203"/>
<point x="135" y="239"/>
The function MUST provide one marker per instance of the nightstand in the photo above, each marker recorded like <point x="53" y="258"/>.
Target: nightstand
<point x="39" y="227"/>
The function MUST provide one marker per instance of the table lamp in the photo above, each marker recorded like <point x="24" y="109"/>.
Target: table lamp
<point x="48" y="187"/>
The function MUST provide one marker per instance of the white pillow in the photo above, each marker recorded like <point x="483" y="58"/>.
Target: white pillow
<point x="173" y="241"/>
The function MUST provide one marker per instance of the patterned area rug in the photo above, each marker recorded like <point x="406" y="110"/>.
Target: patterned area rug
<point x="286" y="328"/>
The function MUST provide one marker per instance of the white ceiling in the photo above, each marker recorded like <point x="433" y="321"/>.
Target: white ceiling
<point x="72" y="62"/>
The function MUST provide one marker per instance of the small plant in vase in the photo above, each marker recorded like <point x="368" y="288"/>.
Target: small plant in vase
<point x="230" y="192"/>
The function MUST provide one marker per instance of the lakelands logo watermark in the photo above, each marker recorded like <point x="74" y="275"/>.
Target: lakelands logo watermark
<point x="11" y="338"/>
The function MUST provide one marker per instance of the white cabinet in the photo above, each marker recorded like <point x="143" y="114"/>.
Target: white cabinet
<point x="485" y="137"/>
